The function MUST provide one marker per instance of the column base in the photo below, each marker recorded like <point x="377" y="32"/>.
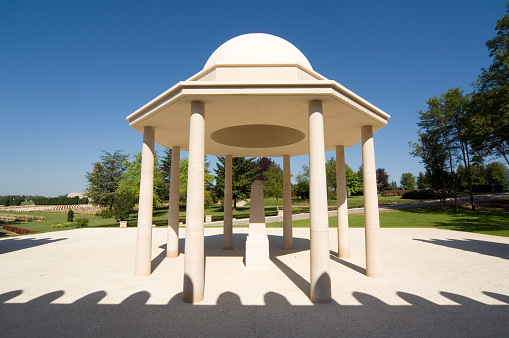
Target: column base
<point x="257" y="251"/>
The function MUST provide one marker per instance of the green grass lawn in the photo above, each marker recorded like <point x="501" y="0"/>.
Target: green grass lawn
<point x="491" y="218"/>
<point x="483" y="222"/>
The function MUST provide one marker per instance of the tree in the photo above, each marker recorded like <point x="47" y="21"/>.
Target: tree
<point x="123" y="205"/>
<point x="393" y="185"/>
<point x="273" y="184"/>
<point x="208" y="179"/>
<point x="244" y="172"/>
<point x="360" y="174"/>
<point x="130" y="181"/>
<point x="496" y="174"/>
<point x="263" y="164"/>
<point x="422" y="181"/>
<point x="70" y="216"/>
<point x="407" y="181"/>
<point x="105" y="178"/>
<point x="330" y="176"/>
<point x="353" y="184"/>
<point x="491" y="96"/>
<point x="434" y="155"/>
<point x="165" y="169"/>
<point x="301" y="188"/>
<point x="382" y="179"/>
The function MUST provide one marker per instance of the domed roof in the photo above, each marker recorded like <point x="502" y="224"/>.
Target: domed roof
<point x="257" y="49"/>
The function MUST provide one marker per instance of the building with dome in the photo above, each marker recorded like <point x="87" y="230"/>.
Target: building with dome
<point x="258" y="95"/>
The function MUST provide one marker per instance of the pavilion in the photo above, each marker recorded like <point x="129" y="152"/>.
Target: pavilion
<point x="258" y="96"/>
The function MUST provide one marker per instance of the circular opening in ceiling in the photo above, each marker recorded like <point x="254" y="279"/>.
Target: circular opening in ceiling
<point x="257" y="136"/>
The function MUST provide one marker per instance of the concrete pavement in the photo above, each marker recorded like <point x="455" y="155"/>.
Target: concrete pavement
<point x="81" y="283"/>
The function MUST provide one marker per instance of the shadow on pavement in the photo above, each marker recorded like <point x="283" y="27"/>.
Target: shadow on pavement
<point x="494" y="249"/>
<point x="17" y="243"/>
<point x="229" y="317"/>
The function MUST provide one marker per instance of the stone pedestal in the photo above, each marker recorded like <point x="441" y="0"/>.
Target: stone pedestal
<point x="257" y="243"/>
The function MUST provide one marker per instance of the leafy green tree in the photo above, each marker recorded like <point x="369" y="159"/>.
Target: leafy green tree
<point x="105" y="178"/>
<point x="301" y="187"/>
<point x="209" y="179"/>
<point x="244" y="172"/>
<point x="330" y="176"/>
<point x="449" y="119"/>
<point x="407" y="181"/>
<point x="434" y="156"/>
<point x="491" y="96"/>
<point x="130" y="181"/>
<point x="496" y="174"/>
<point x="353" y="184"/>
<point x="273" y="183"/>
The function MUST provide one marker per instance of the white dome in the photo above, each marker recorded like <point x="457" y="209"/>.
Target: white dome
<point x="257" y="49"/>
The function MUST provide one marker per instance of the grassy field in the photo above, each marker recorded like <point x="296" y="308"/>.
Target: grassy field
<point x="353" y="201"/>
<point x="490" y="222"/>
<point x="491" y="218"/>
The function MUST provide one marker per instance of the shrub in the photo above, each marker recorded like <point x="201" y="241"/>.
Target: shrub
<point x="389" y="193"/>
<point x="481" y="188"/>
<point x="106" y="213"/>
<point x="419" y="195"/>
<point x="498" y="188"/>
<point x="19" y="231"/>
<point x="81" y="222"/>
<point x="63" y="225"/>
<point x="70" y="216"/>
<point x="123" y="205"/>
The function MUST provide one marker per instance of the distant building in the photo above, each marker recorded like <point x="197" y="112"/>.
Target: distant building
<point x="79" y="194"/>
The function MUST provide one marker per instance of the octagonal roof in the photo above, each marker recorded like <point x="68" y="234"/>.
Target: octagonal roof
<point x="258" y="49"/>
<point x="256" y="89"/>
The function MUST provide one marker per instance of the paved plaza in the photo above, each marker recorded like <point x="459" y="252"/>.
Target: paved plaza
<point x="81" y="283"/>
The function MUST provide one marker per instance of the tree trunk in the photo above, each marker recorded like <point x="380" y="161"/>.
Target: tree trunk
<point x="235" y="204"/>
<point x="466" y="161"/>
<point x="443" y="195"/>
<point x="453" y="180"/>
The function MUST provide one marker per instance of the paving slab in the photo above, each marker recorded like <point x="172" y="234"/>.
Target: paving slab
<point x="81" y="283"/>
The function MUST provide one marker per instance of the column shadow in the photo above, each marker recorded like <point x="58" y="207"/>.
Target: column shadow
<point x="21" y="243"/>
<point x="334" y="256"/>
<point x="488" y="248"/>
<point x="134" y="316"/>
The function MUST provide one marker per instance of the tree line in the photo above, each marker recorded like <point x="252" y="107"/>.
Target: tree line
<point x="115" y="180"/>
<point x="460" y="131"/>
<point x="16" y="200"/>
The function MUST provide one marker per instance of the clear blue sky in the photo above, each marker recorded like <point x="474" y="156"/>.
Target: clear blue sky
<point x="71" y="71"/>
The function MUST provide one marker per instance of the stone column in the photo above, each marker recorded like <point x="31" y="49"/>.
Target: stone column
<point x="194" y="260"/>
<point x="319" y="220"/>
<point x="371" y="219"/>
<point x="227" y="204"/>
<point x="287" y="204"/>
<point x="172" y="248"/>
<point x="343" y="242"/>
<point x="143" y="260"/>
<point x="257" y="243"/>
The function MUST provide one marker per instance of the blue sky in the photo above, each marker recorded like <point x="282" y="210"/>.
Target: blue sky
<point x="71" y="71"/>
